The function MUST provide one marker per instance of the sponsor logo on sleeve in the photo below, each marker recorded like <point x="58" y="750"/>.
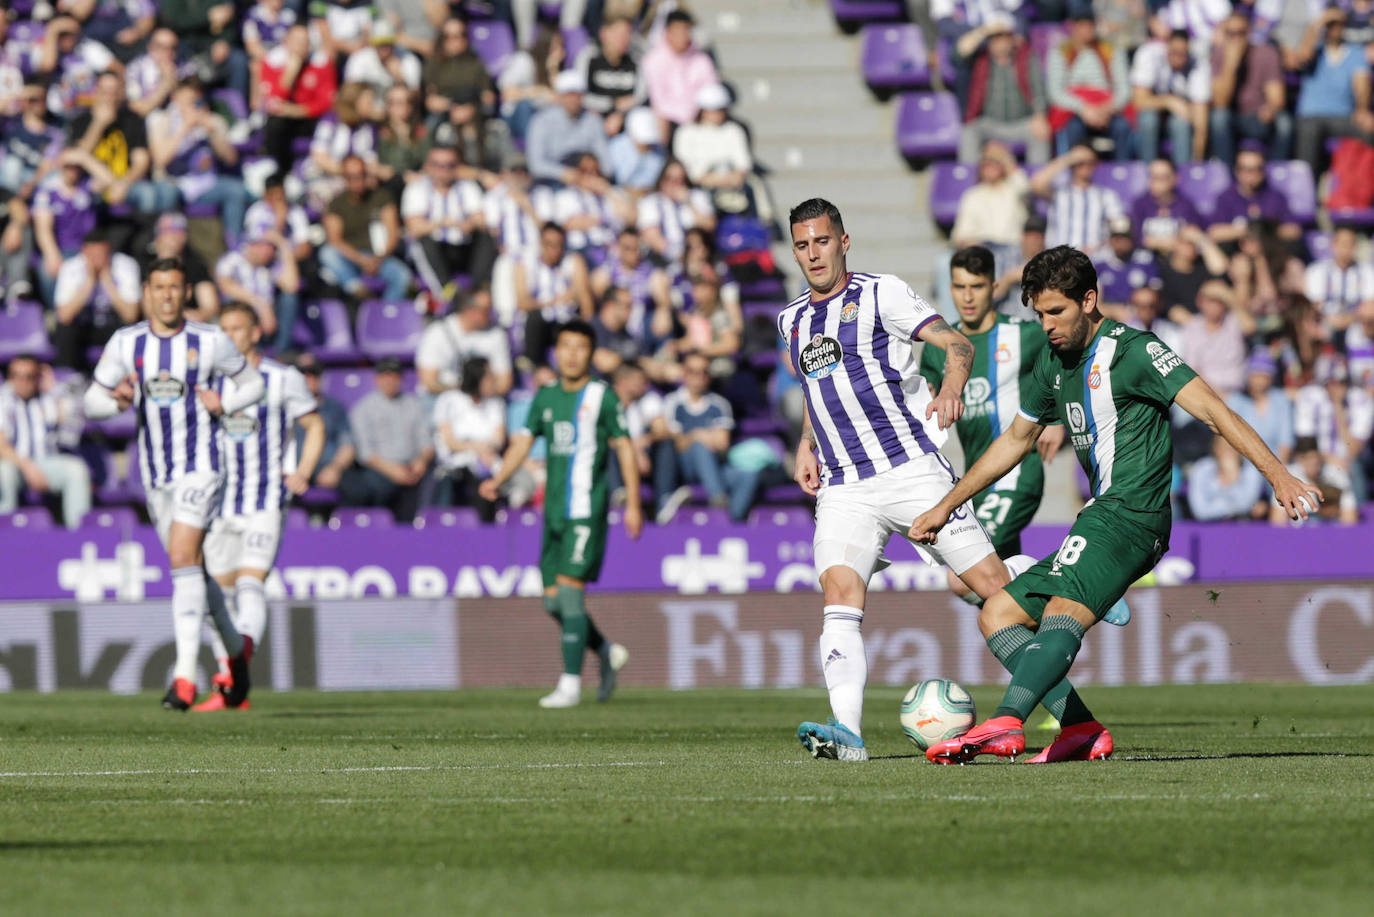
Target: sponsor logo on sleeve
<point x="1163" y="359"/>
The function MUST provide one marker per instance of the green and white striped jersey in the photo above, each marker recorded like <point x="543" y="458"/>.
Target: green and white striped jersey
<point x="578" y="427"/>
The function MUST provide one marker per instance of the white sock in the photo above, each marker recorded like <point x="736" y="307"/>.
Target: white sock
<point x="188" y="610"/>
<point x="216" y="644"/>
<point x="845" y="664"/>
<point x="218" y="607"/>
<point x="569" y="684"/>
<point x="252" y="602"/>
<point x="1019" y="563"/>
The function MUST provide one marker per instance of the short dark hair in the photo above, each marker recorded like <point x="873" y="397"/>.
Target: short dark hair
<point x="814" y="209"/>
<point x="610" y="295"/>
<point x="578" y="326"/>
<point x="1063" y="269"/>
<point x="625" y="370"/>
<point x="165" y="264"/>
<point x="96" y="236"/>
<point x="1305" y="444"/>
<point x="679" y="15"/>
<point x="976" y="259"/>
<point x="550" y="224"/>
<point x="1180" y="35"/>
<point x="238" y="305"/>
<point x="474" y="369"/>
<point x="275" y="180"/>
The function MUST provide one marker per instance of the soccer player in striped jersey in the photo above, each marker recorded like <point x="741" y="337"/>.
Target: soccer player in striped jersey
<point x="168" y="370"/>
<point x="1112" y="387"/>
<point x="878" y="429"/>
<point x="261" y="473"/>
<point x="583" y="422"/>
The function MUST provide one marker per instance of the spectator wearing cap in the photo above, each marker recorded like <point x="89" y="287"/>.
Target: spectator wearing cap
<point x="464" y="334"/>
<point x="1359" y="345"/>
<point x="1214" y="339"/>
<point x="526" y="79"/>
<point x="1264" y="406"/>
<point x="190" y="145"/>
<point x="445" y="230"/>
<point x="382" y="63"/>
<point x="274" y="213"/>
<point x="394" y="448"/>
<point x="32" y="414"/>
<point x="1338" y="283"/>
<point x="674" y="207"/>
<point x="1250" y="200"/>
<point x="1194" y="261"/>
<point x="1249" y="96"/>
<point x="1334" y="98"/>
<point x="151" y="78"/>
<point x="636" y="156"/>
<point x="458" y="90"/>
<point x="1088" y="87"/>
<point x="64" y="213"/>
<point x="1339" y="415"/>
<point x="169" y="241"/>
<point x="1003" y="97"/>
<point x="591" y="210"/>
<point x="117" y="137"/>
<point x="1160" y="213"/>
<point x="97" y="292"/>
<point x="1171" y="91"/>
<point x="614" y="82"/>
<point x="1224" y="486"/>
<point x="675" y="70"/>
<point x="559" y="133"/>
<point x="338" y="454"/>
<point x="296" y="86"/>
<point x="1311" y="466"/>
<point x="1080" y="209"/>
<point x="1122" y="267"/>
<point x="714" y="149"/>
<point x="1145" y="311"/>
<point x="262" y="272"/>
<point x="349" y="255"/>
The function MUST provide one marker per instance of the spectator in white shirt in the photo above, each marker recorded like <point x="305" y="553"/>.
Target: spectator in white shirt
<point x="382" y="63"/>
<point x="1172" y="90"/>
<point x="469" y="434"/>
<point x="274" y="213"/>
<point x="1339" y="501"/>
<point x="674" y="207"/>
<point x="97" y="292"/>
<point x="1079" y="210"/>
<point x="1338" y="284"/>
<point x="466" y="334"/>
<point x="1340" y="416"/>
<point x="31" y="414"/>
<point x="445" y="230"/>
<point x="714" y="149"/>
<point x="262" y="272"/>
<point x="151" y="78"/>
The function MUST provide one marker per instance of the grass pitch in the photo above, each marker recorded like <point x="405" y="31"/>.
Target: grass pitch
<point x="1221" y="800"/>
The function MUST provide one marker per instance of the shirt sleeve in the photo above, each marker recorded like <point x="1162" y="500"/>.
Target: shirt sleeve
<point x="1152" y="369"/>
<point x="670" y="406"/>
<point x="126" y="276"/>
<point x="69" y="279"/>
<point x="228" y="361"/>
<point x="413" y="201"/>
<point x="296" y="395"/>
<point x="901" y="311"/>
<point x="725" y="418"/>
<point x="112" y="367"/>
<point x="1037" y="399"/>
<point x="534" y="420"/>
<point x="613" y="416"/>
<point x="430" y="352"/>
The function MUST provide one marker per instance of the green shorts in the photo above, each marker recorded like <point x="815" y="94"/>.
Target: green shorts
<point x="575" y="548"/>
<point x="1105" y="552"/>
<point x="1003" y="515"/>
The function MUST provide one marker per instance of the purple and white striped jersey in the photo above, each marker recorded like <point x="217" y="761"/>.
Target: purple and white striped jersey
<point x="176" y="433"/>
<point x="260" y="441"/>
<point x="865" y="396"/>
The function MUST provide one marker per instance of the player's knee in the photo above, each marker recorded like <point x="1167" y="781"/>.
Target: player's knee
<point x="842" y="586"/>
<point x="999" y="612"/>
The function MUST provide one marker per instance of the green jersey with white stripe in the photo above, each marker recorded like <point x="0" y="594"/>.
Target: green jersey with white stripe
<point x="1002" y="357"/>
<point x="578" y="427"/>
<point x="1114" y="399"/>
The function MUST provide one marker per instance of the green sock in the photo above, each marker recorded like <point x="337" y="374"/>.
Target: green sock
<point x="1062" y="701"/>
<point x="1041" y="664"/>
<point x="572" y="604"/>
<point x="595" y="639"/>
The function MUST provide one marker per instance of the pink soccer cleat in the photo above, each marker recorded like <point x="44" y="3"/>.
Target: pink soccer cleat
<point x="1002" y="736"/>
<point x="1082" y="742"/>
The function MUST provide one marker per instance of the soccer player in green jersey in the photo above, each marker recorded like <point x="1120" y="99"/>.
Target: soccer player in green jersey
<point x="582" y="421"/>
<point x="1112" y="387"/>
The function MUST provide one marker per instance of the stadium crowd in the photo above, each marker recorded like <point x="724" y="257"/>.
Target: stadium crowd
<point x="412" y="194"/>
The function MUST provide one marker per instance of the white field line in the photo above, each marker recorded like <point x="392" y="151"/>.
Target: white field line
<point x="381" y="769"/>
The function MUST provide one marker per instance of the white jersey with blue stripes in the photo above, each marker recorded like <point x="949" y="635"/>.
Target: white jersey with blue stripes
<point x="866" y="399"/>
<point x="260" y="442"/>
<point x="176" y="434"/>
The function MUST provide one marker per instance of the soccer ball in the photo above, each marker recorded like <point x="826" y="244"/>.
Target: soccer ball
<point x="935" y="710"/>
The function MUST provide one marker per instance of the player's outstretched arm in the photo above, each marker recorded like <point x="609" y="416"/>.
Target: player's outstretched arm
<point x="1198" y="399"/>
<point x="298" y="481"/>
<point x="519" y="449"/>
<point x="1005" y="453"/>
<point x="629" y="473"/>
<point x="948" y="403"/>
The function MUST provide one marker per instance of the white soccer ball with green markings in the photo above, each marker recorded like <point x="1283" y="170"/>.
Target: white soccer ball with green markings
<point x="935" y="710"/>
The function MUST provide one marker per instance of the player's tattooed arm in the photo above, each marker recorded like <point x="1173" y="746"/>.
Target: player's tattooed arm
<point x="948" y="402"/>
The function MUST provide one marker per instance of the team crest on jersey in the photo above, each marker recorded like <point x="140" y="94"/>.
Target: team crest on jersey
<point x="821" y="356"/>
<point x="1095" y="378"/>
<point x="849" y="311"/>
<point x="563" y="435"/>
<point x="163" y="389"/>
<point x="240" y="426"/>
<point x="1003" y="354"/>
<point x="977" y="391"/>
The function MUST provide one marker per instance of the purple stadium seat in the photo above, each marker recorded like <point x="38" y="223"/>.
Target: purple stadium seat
<point x="389" y="329"/>
<point x="119" y="518"/>
<point x="321" y="498"/>
<point x="22" y="331"/>
<point x="200" y="210"/>
<point x="895" y="57"/>
<point x="850" y="14"/>
<point x="494" y="42"/>
<point x="447" y="517"/>
<point x="574" y="40"/>
<point x="1044" y="36"/>
<point x="948" y="182"/>
<point x="760" y="309"/>
<point x="741" y="234"/>
<point x="1202" y="183"/>
<point x="323" y="329"/>
<point x="1128" y="179"/>
<point x="33" y="518"/>
<point x="297" y="517"/>
<point x="944" y="61"/>
<point x="347" y="386"/>
<point x="1361" y="217"/>
<point x="1294" y="181"/>
<point x="362" y="517"/>
<point x="928" y="125"/>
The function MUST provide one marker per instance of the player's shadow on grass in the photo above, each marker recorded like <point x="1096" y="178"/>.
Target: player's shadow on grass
<point x="317" y="715"/>
<point x="7" y="846"/>
<point x="895" y="757"/>
<point x="1246" y="754"/>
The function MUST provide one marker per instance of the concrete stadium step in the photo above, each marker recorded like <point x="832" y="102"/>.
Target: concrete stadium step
<point x="784" y="153"/>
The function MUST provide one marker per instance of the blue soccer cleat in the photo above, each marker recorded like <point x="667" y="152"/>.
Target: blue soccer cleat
<point x="831" y="740"/>
<point x="1119" y="614"/>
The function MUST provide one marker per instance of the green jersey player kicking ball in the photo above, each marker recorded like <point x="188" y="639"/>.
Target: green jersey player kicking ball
<point x="1112" y="387"/>
<point x="582" y="421"/>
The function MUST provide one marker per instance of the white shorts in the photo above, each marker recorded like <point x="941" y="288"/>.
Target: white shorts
<point x="854" y="520"/>
<point x="246" y="542"/>
<point x="192" y="499"/>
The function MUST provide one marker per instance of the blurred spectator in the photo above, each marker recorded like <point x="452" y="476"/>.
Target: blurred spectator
<point x="526" y="80"/>
<point x="273" y="213"/>
<point x="445" y="228"/>
<point x="347" y="130"/>
<point x="350" y="255"/>
<point x="1171" y="92"/>
<point x="264" y="27"/>
<point x="1122" y="267"/>
<point x="1338" y="496"/>
<point x="1359" y="345"/>
<point x="1224" y="486"/>
<point x="1193" y="261"/>
<point x="557" y="134"/>
<point x="616" y="344"/>
<point x="343" y="26"/>
<point x="700" y="423"/>
<point x="643" y="412"/>
<point x="647" y="286"/>
<point x="31" y="414"/>
<point x="296" y="85"/>
<point x="590" y="209"/>
<point x="262" y="272"/>
<point x="1080" y="209"/>
<point x="1087" y="85"/>
<point x="1301" y="342"/>
<point x="713" y="330"/>
<point x="469" y="434"/>
<point x="119" y="25"/>
<point x="1339" y="415"/>
<point x="97" y="292"/>
<point x="29" y="145"/>
<point x="1160" y="214"/>
<point x="169" y="241"/>
<point x="1144" y="310"/>
<point x="382" y="63"/>
<point x="338" y="454"/>
<point x="1250" y="200"/>
<point x="1004" y="98"/>
<point x="207" y="31"/>
<point x="417" y="24"/>
<point x="458" y="90"/>
<point x="150" y="79"/>
<point x="1334" y="99"/>
<point x="550" y="290"/>
<point x="675" y="70"/>
<point x="465" y="334"/>
<point x="509" y="212"/>
<point x="1265" y="408"/>
<point x="673" y="208"/>
<point x="1248" y="93"/>
<point x="403" y="140"/>
<point x="1263" y="271"/>
<point x="118" y="139"/>
<point x="64" y="212"/>
<point x="72" y="65"/>
<point x="714" y="150"/>
<point x="189" y="144"/>
<point x="1124" y="23"/>
<point x="16" y="248"/>
<point x="1338" y="284"/>
<point x="525" y="13"/>
<point x="636" y="157"/>
<point x="1007" y="288"/>
<point x="1214" y="339"/>
<point x="614" y="83"/>
<point x="394" y="447"/>
<point x="993" y="212"/>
